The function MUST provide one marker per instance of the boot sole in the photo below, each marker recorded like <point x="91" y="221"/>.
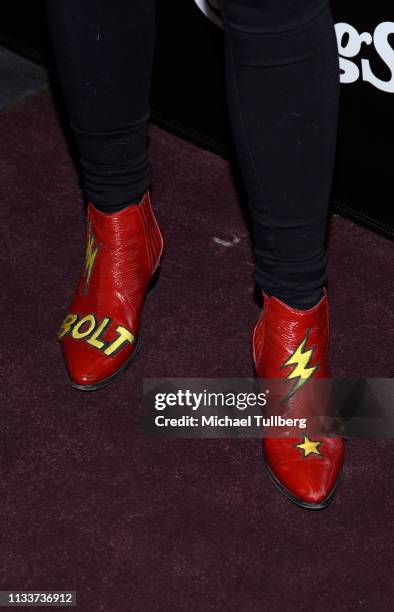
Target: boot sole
<point x="103" y="383"/>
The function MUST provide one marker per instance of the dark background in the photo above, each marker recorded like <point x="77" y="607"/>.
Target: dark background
<point x="188" y="95"/>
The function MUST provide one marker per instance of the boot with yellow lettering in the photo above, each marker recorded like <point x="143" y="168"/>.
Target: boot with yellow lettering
<point x="292" y="345"/>
<point x="99" y="335"/>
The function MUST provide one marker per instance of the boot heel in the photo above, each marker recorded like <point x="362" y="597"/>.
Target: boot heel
<point x="154" y="280"/>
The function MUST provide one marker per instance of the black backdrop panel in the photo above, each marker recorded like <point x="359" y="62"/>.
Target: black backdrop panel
<point x="189" y="96"/>
<point x="188" y="89"/>
<point x="23" y="28"/>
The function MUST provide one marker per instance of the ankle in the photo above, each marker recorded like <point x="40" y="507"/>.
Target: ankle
<point x="301" y="301"/>
<point x="115" y="208"/>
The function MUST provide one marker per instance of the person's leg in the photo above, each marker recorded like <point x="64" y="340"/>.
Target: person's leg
<point x="282" y="74"/>
<point x="104" y="52"/>
<point x="104" y="56"/>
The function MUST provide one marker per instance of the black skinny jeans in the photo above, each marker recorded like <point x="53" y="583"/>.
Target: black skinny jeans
<point x="282" y="79"/>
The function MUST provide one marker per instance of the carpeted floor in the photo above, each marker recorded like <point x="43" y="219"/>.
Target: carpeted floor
<point x="132" y="524"/>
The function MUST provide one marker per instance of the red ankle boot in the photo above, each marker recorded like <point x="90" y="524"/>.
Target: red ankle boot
<point x="99" y="335"/>
<point x="293" y="344"/>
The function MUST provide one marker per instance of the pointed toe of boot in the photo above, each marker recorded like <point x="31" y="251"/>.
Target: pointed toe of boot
<point x="88" y="370"/>
<point x="305" y="470"/>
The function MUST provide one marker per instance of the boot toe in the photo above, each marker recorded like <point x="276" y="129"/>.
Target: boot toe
<point x="89" y="370"/>
<point x="307" y="479"/>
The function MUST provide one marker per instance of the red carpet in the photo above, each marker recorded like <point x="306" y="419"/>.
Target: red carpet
<point x="87" y="502"/>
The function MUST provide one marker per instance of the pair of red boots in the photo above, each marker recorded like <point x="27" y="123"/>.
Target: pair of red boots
<point x="99" y="338"/>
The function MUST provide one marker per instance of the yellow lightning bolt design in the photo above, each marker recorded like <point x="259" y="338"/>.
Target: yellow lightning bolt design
<point x="90" y="257"/>
<point x="300" y="358"/>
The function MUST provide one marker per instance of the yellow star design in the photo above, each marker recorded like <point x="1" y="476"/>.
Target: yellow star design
<point x="309" y="447"/>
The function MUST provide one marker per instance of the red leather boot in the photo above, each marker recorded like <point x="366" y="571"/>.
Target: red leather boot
<point x="99" y="335"/>
<point x="293" y="344"/>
